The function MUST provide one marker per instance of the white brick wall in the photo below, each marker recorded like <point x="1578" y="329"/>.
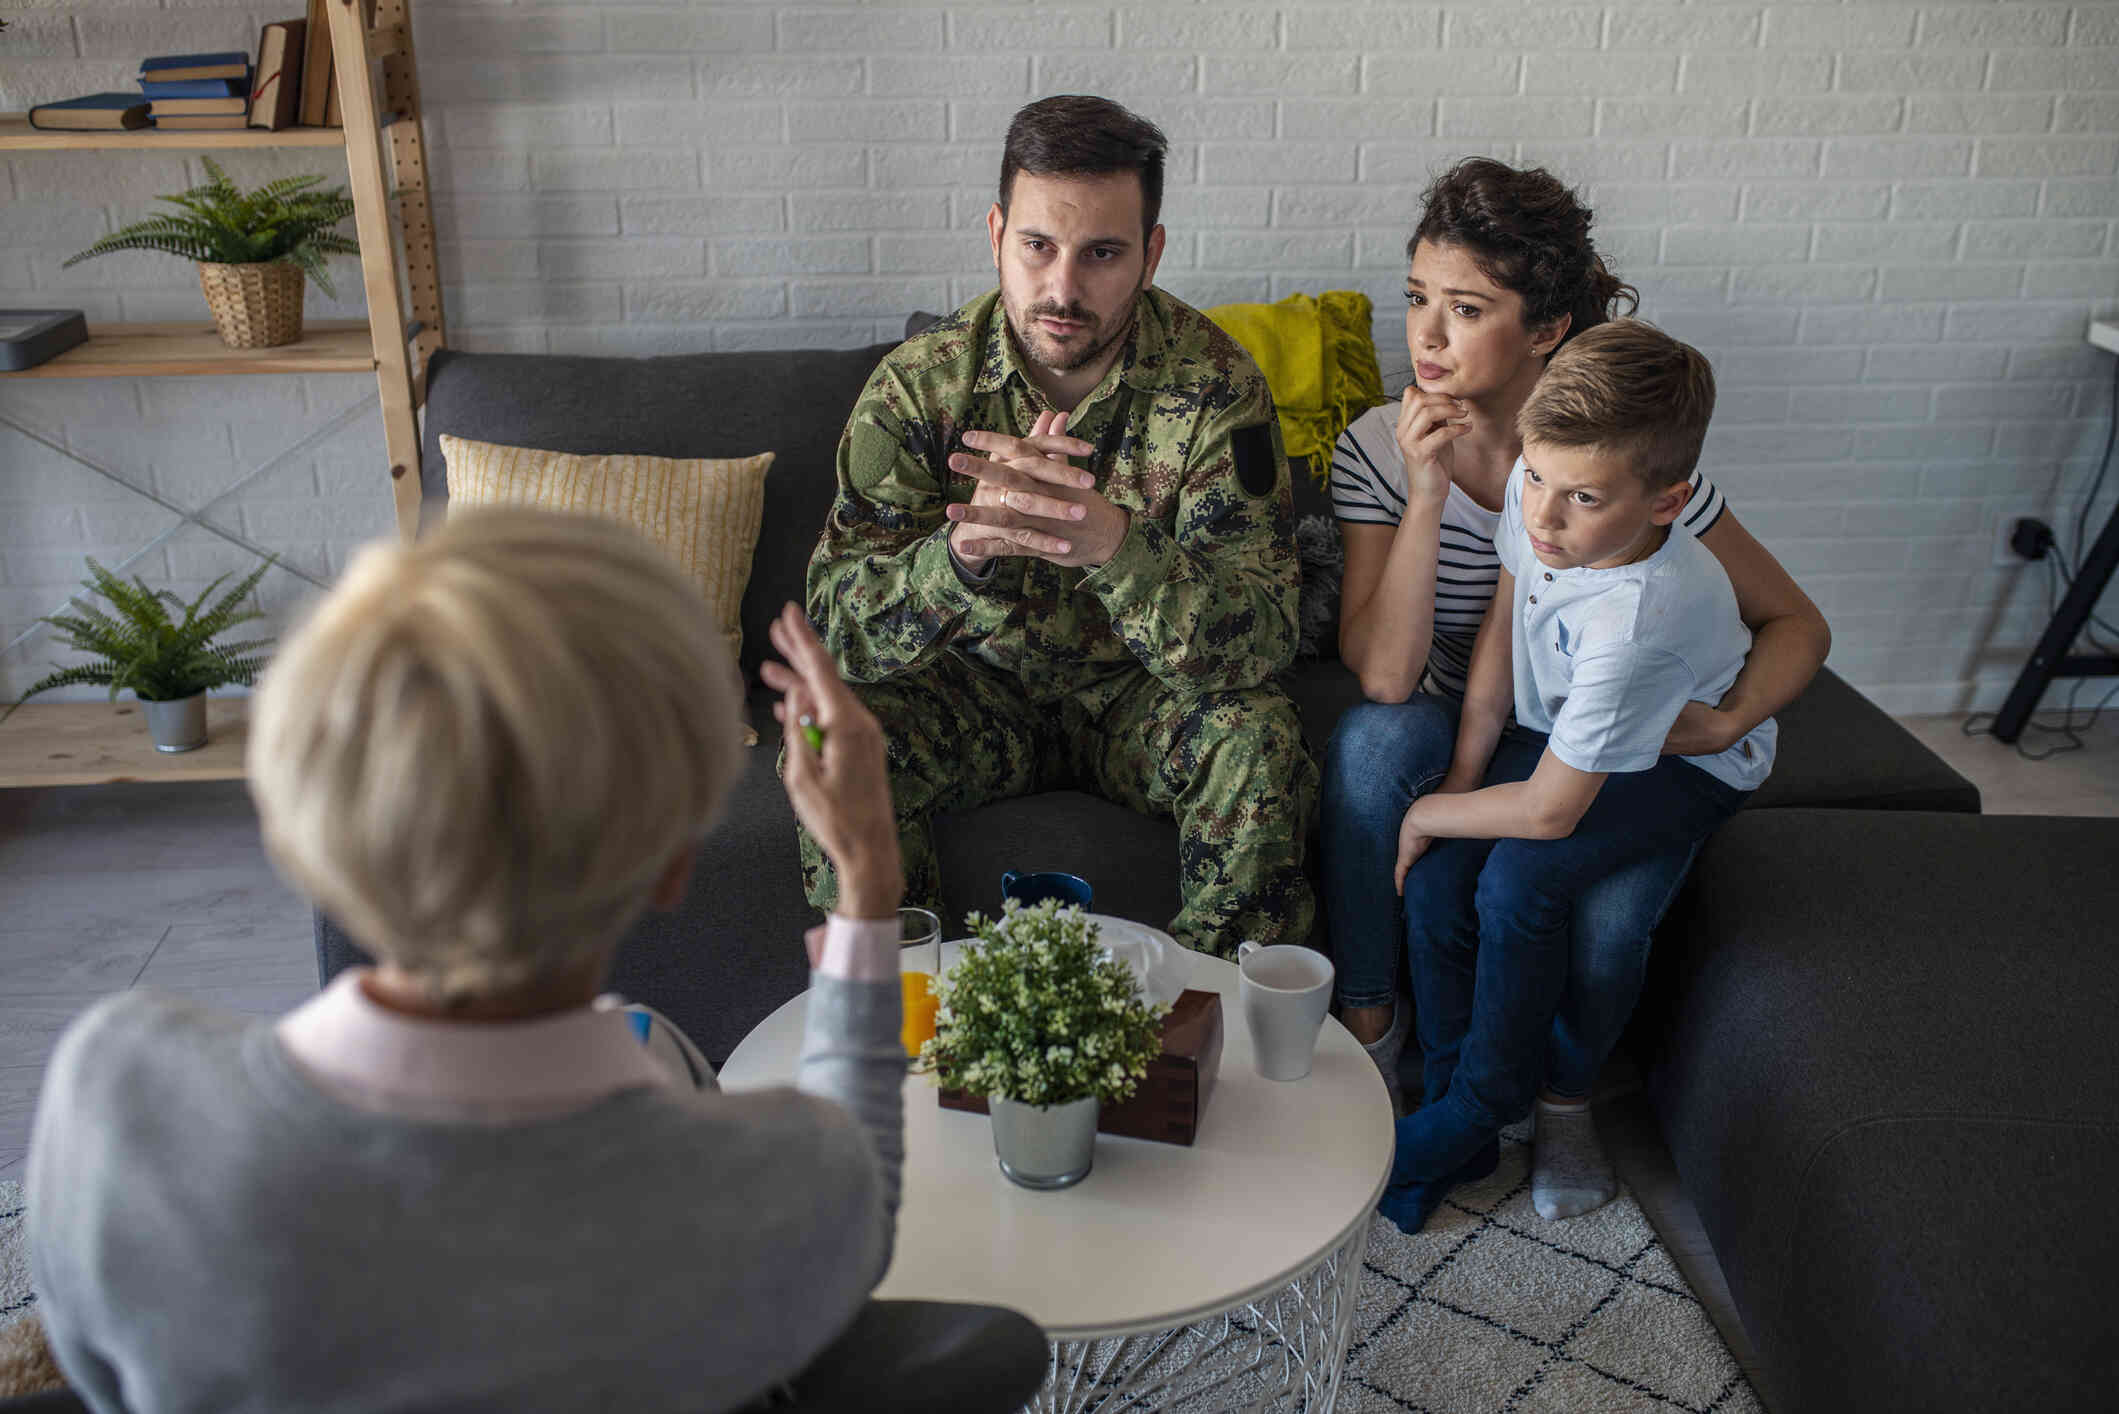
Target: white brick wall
<point x="1888" y="223"/>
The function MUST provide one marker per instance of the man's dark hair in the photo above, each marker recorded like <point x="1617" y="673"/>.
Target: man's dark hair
<point x="1077" y="135"/>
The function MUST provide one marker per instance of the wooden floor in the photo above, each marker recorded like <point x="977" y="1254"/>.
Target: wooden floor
<point x="108" y="887"/>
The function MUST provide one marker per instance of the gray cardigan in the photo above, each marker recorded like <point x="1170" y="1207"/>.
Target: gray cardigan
<point x="209" y="1231"/>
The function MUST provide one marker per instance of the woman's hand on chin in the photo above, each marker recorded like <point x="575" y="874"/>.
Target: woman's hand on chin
<point x="1428" y="423"/>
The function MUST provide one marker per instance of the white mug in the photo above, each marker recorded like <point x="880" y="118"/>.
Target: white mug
<point x="1286" y="991"/>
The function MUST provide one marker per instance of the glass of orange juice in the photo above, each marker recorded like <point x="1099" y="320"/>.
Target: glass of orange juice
<point x="919" y="959"/>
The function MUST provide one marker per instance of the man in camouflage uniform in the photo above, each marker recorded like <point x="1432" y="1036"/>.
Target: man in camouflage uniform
<point x="1019" y="622"/>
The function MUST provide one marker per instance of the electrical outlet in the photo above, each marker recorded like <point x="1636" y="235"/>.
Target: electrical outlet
<point x="2020" y="539"/>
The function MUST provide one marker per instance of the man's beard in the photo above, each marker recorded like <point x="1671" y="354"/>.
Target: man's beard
<point x="1092" y="350"/>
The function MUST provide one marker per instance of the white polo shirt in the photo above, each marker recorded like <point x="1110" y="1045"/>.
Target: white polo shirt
<point x="1606" y="659"/>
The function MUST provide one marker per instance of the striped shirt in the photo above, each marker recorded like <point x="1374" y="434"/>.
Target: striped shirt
<point x="1368" y="487"/>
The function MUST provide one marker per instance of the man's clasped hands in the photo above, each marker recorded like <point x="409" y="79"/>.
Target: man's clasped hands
<point x="1031" y="501"/>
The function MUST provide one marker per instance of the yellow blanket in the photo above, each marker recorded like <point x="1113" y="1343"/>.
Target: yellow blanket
<point x="1319" y="361"/>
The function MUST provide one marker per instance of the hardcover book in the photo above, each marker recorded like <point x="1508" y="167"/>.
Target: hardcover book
<point x="276" y="96"/>
<point x="192" y="121"/>
<point x="29" y="337"/>
<point x="171" y="68"/>
<point x="95" y="112"/>
<point x="316" y="66"/>
<point x="195" y="88"/>
<point x="164" y="108"/>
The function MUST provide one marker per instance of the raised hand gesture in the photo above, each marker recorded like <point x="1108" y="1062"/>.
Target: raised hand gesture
<point x="840" y="784"/>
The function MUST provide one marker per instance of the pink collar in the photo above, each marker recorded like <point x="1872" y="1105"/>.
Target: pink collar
<point x="495" y="1072"/>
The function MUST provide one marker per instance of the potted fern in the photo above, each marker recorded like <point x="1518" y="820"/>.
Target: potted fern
<point x="1044" y="1022"/>
<point x="253" y="250"/>
<point x="168" y="661"/>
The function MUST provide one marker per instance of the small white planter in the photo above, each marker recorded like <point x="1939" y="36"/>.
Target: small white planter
<point x="1045" y="1146"/>
<point x="179" y="725"/>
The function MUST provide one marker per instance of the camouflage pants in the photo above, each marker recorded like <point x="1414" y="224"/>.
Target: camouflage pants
<point x="1229" y="767"/>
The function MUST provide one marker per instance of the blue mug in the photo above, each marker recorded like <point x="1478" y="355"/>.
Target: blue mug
<point x="1027" y="889"/>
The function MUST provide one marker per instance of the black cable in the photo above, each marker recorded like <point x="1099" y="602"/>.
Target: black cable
<point x="2063" y="567"/>
<point x="2067" y="573"/>
<point x="2067" y="728"/>
<point x="2058" y="566"/>
<point x="2082" y="512"/>
<point x="2111" y="432"/>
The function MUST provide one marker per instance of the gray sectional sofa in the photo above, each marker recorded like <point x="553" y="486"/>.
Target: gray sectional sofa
<point x="1825" y="832"/>
<point x="731" y="953"/>
<point x="1875" y="1046"/>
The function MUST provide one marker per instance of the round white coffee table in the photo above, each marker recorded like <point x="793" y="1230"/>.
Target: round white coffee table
<point x="1220" y="1275"/>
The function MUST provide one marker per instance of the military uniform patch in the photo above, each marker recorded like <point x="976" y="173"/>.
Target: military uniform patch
<point x="1252" y="447"/>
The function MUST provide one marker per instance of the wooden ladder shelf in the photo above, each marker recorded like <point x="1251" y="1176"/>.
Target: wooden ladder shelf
<point x="386" y="164"/>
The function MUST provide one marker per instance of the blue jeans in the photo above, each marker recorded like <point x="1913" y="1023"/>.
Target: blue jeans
<point x="1382" y="757"/>
<point x="1486" y="927"/>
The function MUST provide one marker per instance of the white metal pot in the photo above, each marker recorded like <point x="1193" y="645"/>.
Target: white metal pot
<point x="179" y="725"/>
<point x="1045" y="1146"/>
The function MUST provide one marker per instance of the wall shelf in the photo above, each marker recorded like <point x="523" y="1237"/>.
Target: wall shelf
<point x="165" y="350"/>
<point x="99" y="743"/>
<point x="377" y="86"/>
<point x="17" y="135"/>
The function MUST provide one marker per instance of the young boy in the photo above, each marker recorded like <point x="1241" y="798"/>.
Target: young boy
<point x="453" y="1180"/>
<point x="1606" y="622"/>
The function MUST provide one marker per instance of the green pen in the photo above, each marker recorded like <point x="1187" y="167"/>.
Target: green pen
<point x="811" y="732"/>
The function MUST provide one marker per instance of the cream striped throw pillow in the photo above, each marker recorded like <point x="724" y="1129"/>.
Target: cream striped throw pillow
<point x="704" y="512"/>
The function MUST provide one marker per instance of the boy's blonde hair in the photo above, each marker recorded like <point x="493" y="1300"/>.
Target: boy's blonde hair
<point x="1629" y="389"/>
<point x="480" y="752"/>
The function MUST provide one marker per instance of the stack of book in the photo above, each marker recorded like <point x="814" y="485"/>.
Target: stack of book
<point x="197" y="90"/>
<point x="291" y="83"/>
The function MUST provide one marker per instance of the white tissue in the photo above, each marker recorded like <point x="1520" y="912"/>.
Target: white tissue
<point x="1147" y="952"/>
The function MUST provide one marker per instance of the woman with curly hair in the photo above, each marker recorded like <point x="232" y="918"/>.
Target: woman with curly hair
<point x="1502" y="272"/>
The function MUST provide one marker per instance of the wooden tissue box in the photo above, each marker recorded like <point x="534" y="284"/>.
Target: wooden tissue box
<point x="1170" y="1099"/>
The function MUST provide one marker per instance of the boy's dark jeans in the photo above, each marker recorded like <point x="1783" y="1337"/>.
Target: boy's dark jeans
<point x="1487" y="934"/>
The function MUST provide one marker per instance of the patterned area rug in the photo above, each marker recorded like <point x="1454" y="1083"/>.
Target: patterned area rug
<point x="15" y="1296"/>
<point x="1491" y="1308"/>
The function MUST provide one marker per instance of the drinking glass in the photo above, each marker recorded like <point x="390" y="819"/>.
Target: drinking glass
<point x="919" y="959"/>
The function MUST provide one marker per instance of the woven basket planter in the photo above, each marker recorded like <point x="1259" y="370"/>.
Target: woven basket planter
<point x="255" y="306"/>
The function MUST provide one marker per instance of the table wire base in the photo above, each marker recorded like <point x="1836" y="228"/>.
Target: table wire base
<point x="1282" y="1352"/>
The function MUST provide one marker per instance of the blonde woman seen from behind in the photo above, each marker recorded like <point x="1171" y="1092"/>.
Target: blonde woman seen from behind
<point x="457" y="1178"/>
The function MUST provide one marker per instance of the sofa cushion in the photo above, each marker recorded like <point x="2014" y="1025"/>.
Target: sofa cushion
<point x="1837" y="748"/>
<point x="704" y="512"/>
<point x="794" y="402"/>
<point x="1887" y="1087"/>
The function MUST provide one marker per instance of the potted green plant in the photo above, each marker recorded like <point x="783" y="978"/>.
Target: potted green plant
<point x="168" y="662"/>
<point x="1043" y="1022"/>
<point x="253" y="250"/>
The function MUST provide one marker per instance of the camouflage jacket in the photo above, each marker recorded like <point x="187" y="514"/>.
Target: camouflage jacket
<point x="1201" y="593"/>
